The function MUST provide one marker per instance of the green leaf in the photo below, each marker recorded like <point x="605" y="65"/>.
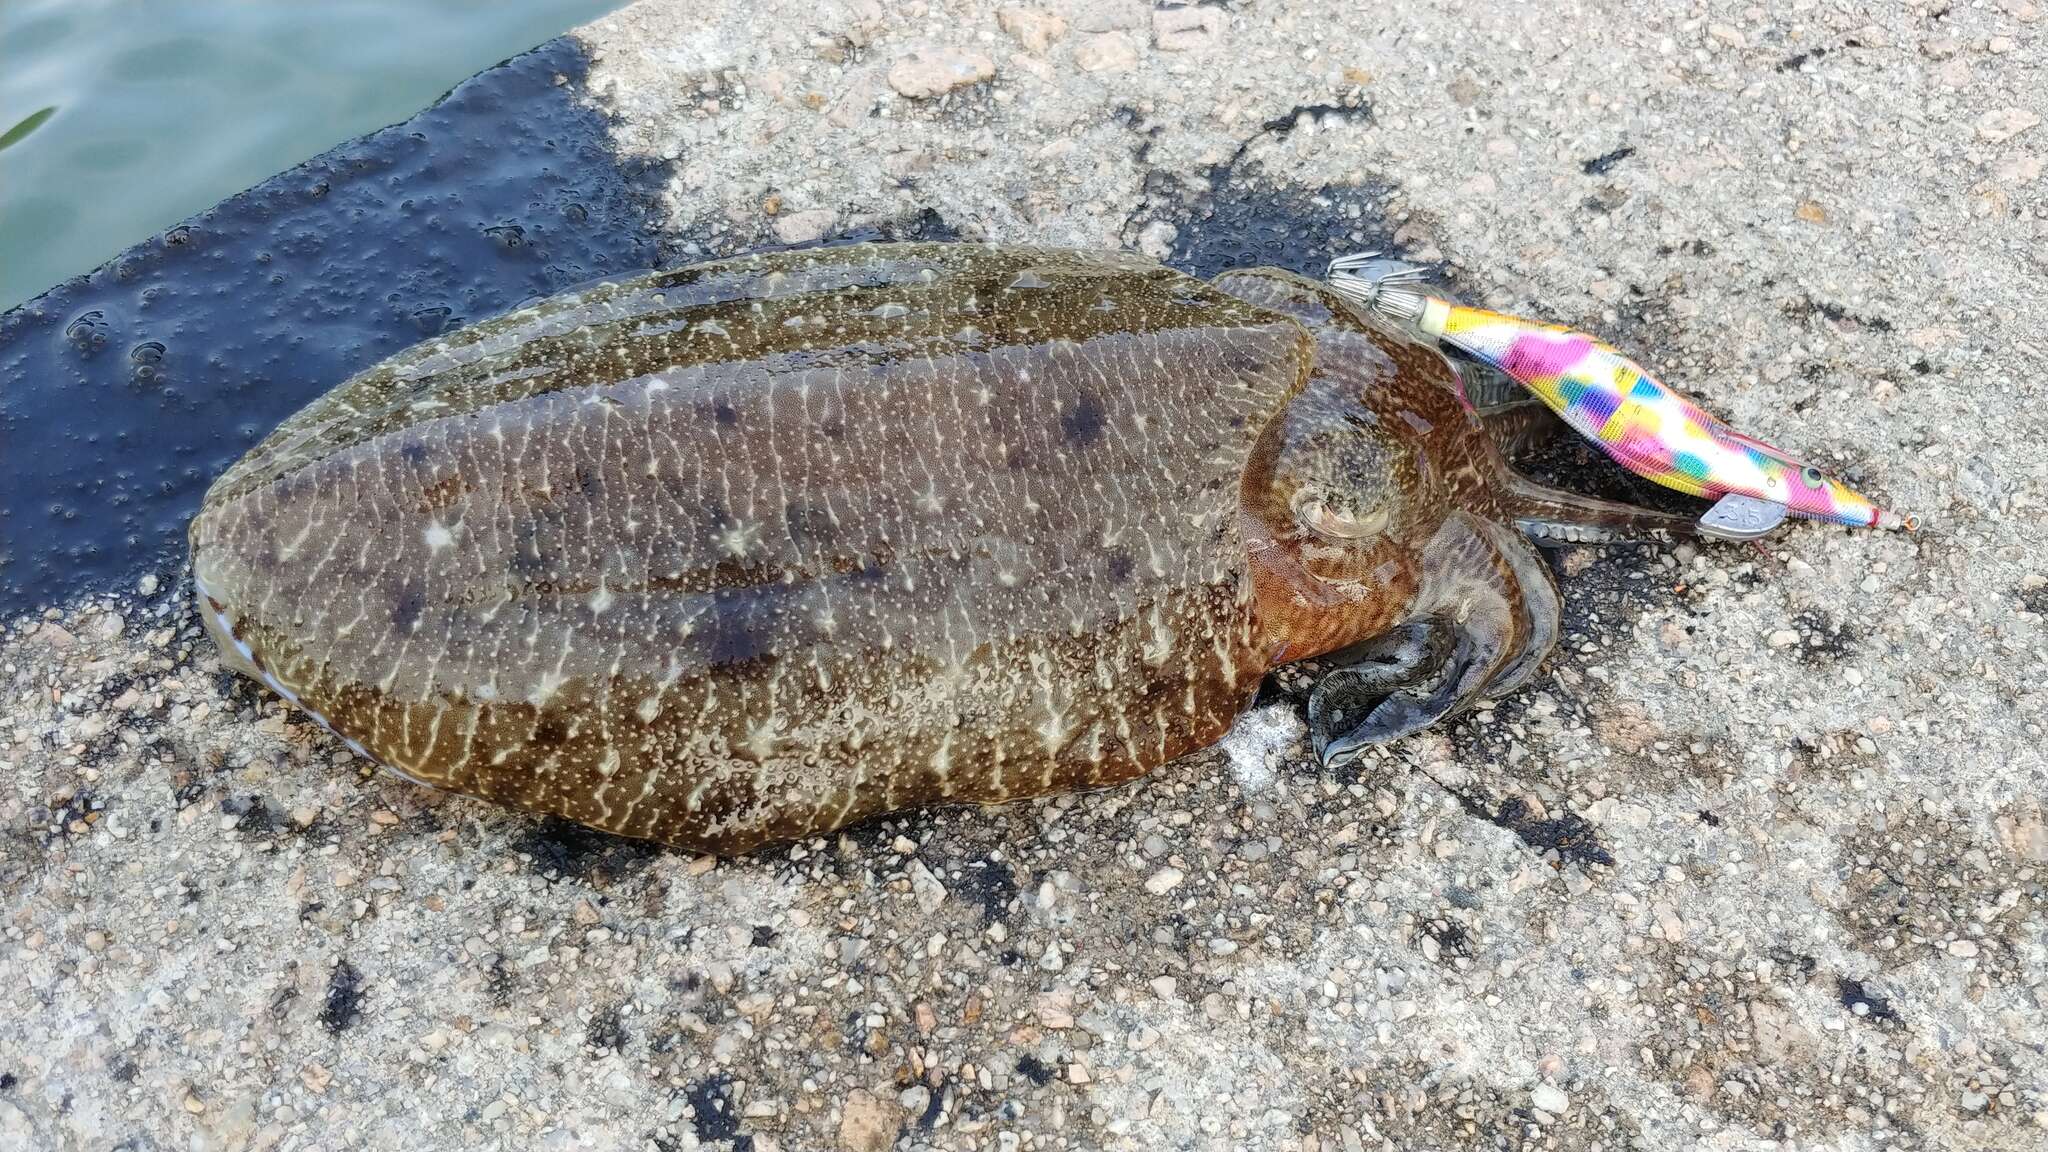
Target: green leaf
<point x="28" y="124"/>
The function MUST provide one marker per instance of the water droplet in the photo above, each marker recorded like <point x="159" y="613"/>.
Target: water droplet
<point x="145" y="357"/>
<point x="1029" y="278"/>
<point x="507" y="235"/>
<point x="179" y="235"/>
<point x="89" y="331"/>
<point x="432" y="321"/>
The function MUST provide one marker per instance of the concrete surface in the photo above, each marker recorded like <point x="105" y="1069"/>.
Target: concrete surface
<point x="1759" y="863"/>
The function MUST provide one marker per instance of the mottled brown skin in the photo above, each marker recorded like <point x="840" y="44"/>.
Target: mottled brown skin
<point x="752" y="550"/>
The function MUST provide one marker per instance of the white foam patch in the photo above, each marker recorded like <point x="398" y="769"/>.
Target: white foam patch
<point x="1259" y="739"/>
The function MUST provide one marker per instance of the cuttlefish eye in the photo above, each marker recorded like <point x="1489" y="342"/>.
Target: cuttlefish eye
<point x="1810" y="476"/>
<point x="1335" y="515"/>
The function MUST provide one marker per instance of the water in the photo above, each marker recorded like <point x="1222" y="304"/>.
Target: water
<point x="119" y="118"/>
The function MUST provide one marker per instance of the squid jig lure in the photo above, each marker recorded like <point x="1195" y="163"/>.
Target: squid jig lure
<point x="1646" y="426"/>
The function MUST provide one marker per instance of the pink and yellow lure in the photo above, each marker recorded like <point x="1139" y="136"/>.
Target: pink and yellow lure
<point x="1647" y="427"/>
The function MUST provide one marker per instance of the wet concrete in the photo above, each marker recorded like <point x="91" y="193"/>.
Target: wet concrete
<point x="125" y="391"/>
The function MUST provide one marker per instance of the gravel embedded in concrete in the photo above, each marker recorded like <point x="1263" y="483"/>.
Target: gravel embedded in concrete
<point x="1758" y="862"/>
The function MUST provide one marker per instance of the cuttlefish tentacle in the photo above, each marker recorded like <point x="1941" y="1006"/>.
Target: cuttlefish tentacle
<point x="1516" y="422"/>
<point x="1551" y="516"/>
<point x="1490" y="614"/>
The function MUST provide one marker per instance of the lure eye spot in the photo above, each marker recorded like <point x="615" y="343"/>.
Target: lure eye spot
<point x="1810" y="476"/>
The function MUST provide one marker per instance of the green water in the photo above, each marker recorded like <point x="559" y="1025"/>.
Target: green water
<point x="119" y="118"/>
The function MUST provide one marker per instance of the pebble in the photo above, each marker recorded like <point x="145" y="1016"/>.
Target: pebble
<point x="1962" y="948"/>
<point x="53" y="634"/>
<point x="1163" y="881"/>
<point x="1033" y="28"/>
<point x="1106" y="52"/>
<point x="1056" y="1009"/>
<point x="868" y="1123"/>
<point x="925" y="885"/>
<point x="1783" y="638"/>
<point x="1186" y="29"/>
<point x="924" y="73"/>
<point x="1669" y="926"/>
<point x="1156" y="239"/>
<point x="1551" y="1099"/>
<point x="2002" y="124"/>
<point x="147" y="585"/>
<point x="805" y="227"/>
